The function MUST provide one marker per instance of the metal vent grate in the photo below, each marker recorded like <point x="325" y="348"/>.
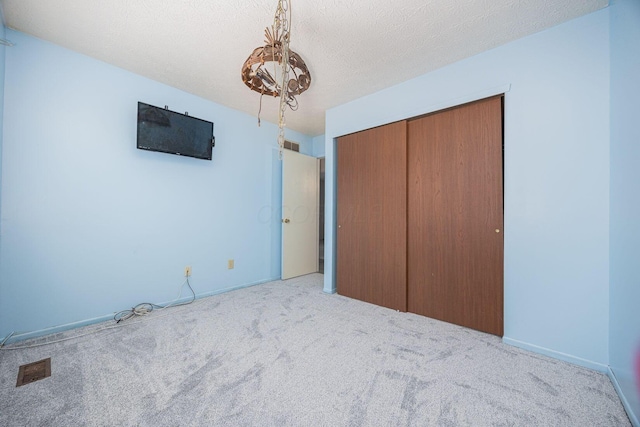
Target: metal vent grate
<point x="293" y="146"/>
<point x="34" y="371"/>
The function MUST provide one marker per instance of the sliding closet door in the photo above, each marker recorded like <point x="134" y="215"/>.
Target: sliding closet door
<point x="455" y="244"/>
<point x="372" y="216"/>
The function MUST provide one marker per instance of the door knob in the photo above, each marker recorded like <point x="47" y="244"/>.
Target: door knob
<point x="286" y="220"/>
<point x="497" y="230"/>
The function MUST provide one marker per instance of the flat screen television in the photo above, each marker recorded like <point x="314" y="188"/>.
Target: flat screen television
<point x="160" y="129"/>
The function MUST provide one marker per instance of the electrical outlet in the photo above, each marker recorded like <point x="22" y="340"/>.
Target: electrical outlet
<point x="230" y="264"/>
<point x="187" y="271"/>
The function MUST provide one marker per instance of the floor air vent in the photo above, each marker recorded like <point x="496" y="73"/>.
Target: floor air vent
<point x="34" y="371"/>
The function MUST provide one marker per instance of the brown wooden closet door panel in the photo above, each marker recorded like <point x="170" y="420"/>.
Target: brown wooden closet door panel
<point x="455" y="244"/>
<point x="372" y="216"/>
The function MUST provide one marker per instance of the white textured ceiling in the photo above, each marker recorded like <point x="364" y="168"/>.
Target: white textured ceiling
<point x="352" y="48"/>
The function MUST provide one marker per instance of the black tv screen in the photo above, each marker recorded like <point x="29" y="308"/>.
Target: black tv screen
<point x="169" y="132"/>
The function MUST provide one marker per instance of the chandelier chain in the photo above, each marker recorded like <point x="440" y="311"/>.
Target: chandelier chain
<point x="290" y="75"/>
<point x="281" y="22"/>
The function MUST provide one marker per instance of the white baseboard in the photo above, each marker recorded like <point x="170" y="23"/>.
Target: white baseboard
<point x="627" y="407"/>
<point x="601" y="367"/>
<point x="606" y="369"/>
<point x="233" y="288"/>
<point x="21" y="336"/>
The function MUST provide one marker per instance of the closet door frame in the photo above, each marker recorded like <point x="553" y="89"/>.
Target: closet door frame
<point x="354" y="282"/>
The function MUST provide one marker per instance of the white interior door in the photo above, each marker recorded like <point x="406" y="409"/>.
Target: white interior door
<point x="300" y="192"/>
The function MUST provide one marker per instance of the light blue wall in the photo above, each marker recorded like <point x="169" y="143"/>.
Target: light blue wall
<point x="556" y="176"/>
<point x="2" y="60"/>
<point x="91" y="225"/>
<point x="306" y="143"/>
<point x="625" y="200"/>
<point x="2" y="84"/>
<point x="318" y="145"/>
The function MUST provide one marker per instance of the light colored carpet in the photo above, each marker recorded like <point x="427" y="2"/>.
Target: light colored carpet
<point x="284" y="353"/>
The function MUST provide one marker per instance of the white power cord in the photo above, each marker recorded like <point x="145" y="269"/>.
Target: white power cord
<point x="139" y="310"/>
<point x="145" y="308"/>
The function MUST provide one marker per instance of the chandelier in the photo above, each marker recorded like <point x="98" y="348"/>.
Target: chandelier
<point x="276" y="70"/>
